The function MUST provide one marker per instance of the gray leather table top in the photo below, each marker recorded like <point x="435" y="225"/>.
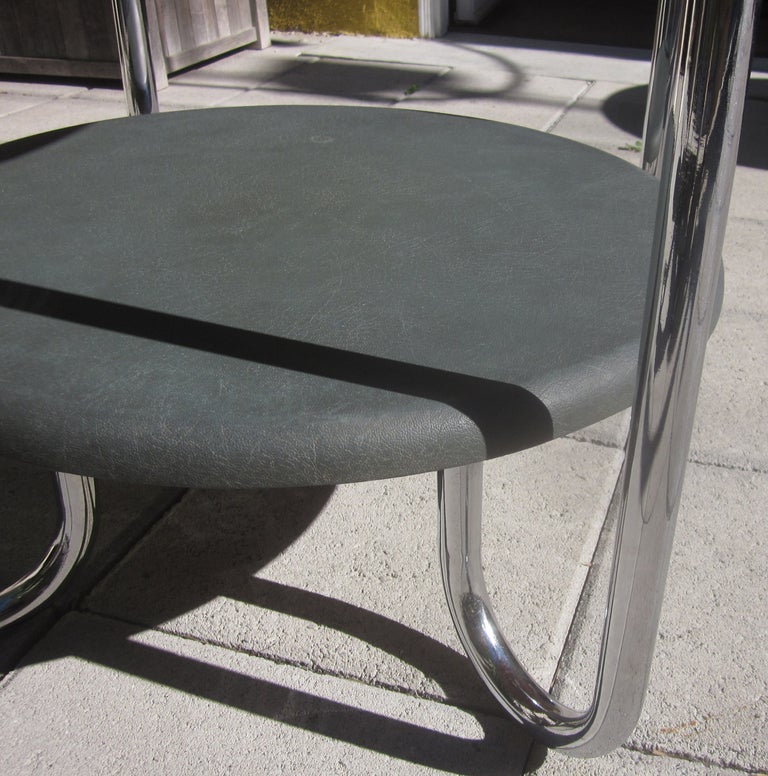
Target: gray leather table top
<point x="300" y="295"/>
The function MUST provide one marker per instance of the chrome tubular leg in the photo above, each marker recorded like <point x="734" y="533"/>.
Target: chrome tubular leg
<point x="460" y="499"/>
<point x="664" y="64"/>
<point x="76" y="506"/>
<point x="694" y="155"/>
<point x="135" y="56"/>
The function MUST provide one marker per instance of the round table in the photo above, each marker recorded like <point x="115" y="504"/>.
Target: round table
<point x="304" y="295"/>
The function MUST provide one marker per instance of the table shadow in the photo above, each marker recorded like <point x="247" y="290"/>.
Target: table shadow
<point x="626" y="110"/>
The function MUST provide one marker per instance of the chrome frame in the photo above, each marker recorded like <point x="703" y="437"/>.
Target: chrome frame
<point x="76" y="493"/>
<point x="135" y="56"/>
<point x="135" y="51"/>
<point x="699" y="76"/>
<point x="76" y="499"/>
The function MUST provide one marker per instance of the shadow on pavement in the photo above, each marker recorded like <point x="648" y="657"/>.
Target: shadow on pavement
<point x="220" y="558"/>
<point x="626" y="110"/>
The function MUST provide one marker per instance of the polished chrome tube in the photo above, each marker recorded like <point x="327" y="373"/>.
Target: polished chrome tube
<point x="76" y="507"/>
<point x="662" y="88"/>
<point x="135" y="56"/>
<point x="666" y="63"/>
<point x="700" y="80"/>
<point x="460" y="493"/>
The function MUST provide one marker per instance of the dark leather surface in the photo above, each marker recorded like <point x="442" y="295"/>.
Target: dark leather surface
<point x="277" y="296"/>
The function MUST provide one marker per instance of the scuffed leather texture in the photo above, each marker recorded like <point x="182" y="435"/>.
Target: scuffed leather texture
<point x="306" y="295"/>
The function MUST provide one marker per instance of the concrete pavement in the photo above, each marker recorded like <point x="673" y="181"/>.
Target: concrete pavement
<point x="304" y="631"/>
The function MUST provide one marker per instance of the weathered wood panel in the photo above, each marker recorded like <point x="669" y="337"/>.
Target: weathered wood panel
<point x="77" y="37"/>
<point x="221" y="15"/>
<point x="58" y="29"/>
<point x="207" y="50"/>
<point x="200" y="25"/>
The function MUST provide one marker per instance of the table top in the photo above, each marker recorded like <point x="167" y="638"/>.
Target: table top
<point x="304" y="295"/>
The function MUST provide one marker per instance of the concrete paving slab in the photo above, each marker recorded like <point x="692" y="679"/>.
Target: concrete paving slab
<point x="364" y="80"/>
<point x="745" y="255"/>
<point x="468" y="50"/>
<point x="531" y="101"/>
<point x="13" y="103"/>
<point x="348" y="582"/>
<point x="36" y="87"/>
<point x="732" y="410"/>
<point x="245" y="69"/>
<point x="107" y="91"/>
<point x="95" y="698"/>
<point x="625" y="761"/>
<point x="445" y="52"/>
<point x="611" y="432"/>
<point x="544" y="510"/>
<point x="56" y="114"/>
<point x="176" y="96"/>
<point x="584" y="62"/>
<point x="748" y="197"/>
<point x="591" y="120"/>
<point x="276" y="96"/>
<point x="624" y="108"/>
<point x="708" y="694"/>
<point x="28" y="525"/>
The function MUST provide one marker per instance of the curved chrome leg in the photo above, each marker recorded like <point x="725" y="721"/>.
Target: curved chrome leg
<point x="637" y="584"/>
<point x="694" y="154"/>
<point x="460" y="493"/>
<point x="76" y="505"/>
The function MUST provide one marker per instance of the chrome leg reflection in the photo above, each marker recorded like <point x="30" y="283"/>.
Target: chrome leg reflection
<point x="697" y="95"/>
<point x="135" y="56"/>
<point x="76" y="508"/>
<point x="460" y="498"/>
<point x="634" y="599"/>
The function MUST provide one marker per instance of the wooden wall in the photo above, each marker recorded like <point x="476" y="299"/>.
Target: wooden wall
<point x="61" y="32"/>
<point x="192" y="30"/>
<point x="77" y="37"/>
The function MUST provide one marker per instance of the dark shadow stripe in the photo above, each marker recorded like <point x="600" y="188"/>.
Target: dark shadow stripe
<point x="508" y="416"/>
